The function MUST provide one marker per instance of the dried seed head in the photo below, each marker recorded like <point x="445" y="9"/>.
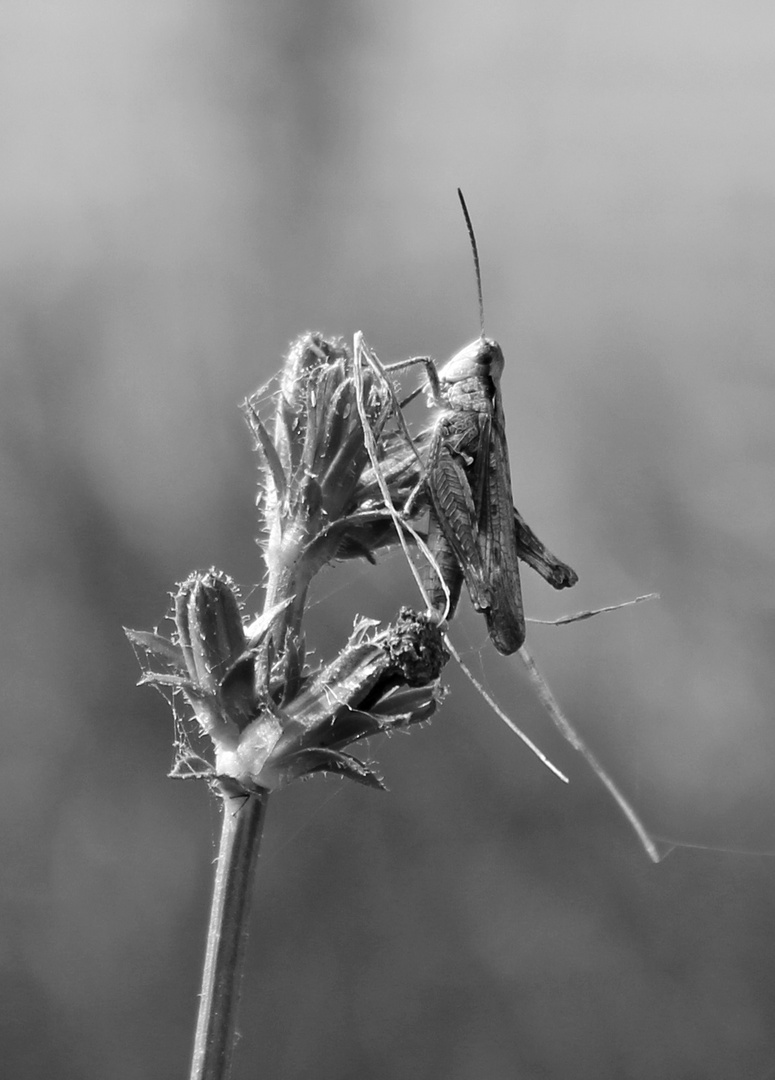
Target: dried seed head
<point x="417" y="647"/>
<point x="382" y="680"/>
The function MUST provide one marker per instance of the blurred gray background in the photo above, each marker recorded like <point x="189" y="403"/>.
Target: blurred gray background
<point x="185" y="188"/>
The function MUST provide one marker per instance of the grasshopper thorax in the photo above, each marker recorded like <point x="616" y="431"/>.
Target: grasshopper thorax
<point x="482" y="358"/>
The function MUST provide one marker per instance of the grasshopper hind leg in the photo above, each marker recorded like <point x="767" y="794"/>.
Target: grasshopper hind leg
<point x="531" y="551"/>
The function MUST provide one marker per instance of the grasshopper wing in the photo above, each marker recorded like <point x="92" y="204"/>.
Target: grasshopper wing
<point x="453" y="510"/>
<point x="498" y="542"/>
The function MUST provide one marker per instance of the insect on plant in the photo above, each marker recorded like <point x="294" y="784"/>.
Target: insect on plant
<point x="475" y="533"/>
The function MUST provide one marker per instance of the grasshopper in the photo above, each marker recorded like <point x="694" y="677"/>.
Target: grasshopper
<point x="475" y="534"/>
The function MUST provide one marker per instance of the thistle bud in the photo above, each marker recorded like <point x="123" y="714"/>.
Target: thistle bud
<point x="309" y="358"/>
<point x="209" y="625"/>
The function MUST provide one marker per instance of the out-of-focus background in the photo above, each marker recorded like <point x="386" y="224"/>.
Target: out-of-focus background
<point x="185" y="188"/>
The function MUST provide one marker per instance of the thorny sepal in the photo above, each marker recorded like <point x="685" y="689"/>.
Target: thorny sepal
<point x="383" y="680"/>
<point x="319" y="499"/>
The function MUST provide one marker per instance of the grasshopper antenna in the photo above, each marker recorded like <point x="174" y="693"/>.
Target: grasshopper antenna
<point x="477" y="267"/>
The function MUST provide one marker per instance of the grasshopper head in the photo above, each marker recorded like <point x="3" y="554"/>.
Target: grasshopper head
<point x="481" y="358"/>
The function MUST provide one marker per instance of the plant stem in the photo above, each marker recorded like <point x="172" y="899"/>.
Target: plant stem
<point x="227" y="936"/>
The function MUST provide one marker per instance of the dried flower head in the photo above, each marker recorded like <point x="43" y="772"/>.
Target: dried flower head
<point x="319" y="499"/>
<point x="261" y="736"/>
<point x="269" y="717"/>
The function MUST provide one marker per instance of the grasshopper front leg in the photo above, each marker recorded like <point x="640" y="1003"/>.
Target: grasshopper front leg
<point x="430" y="370"/>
